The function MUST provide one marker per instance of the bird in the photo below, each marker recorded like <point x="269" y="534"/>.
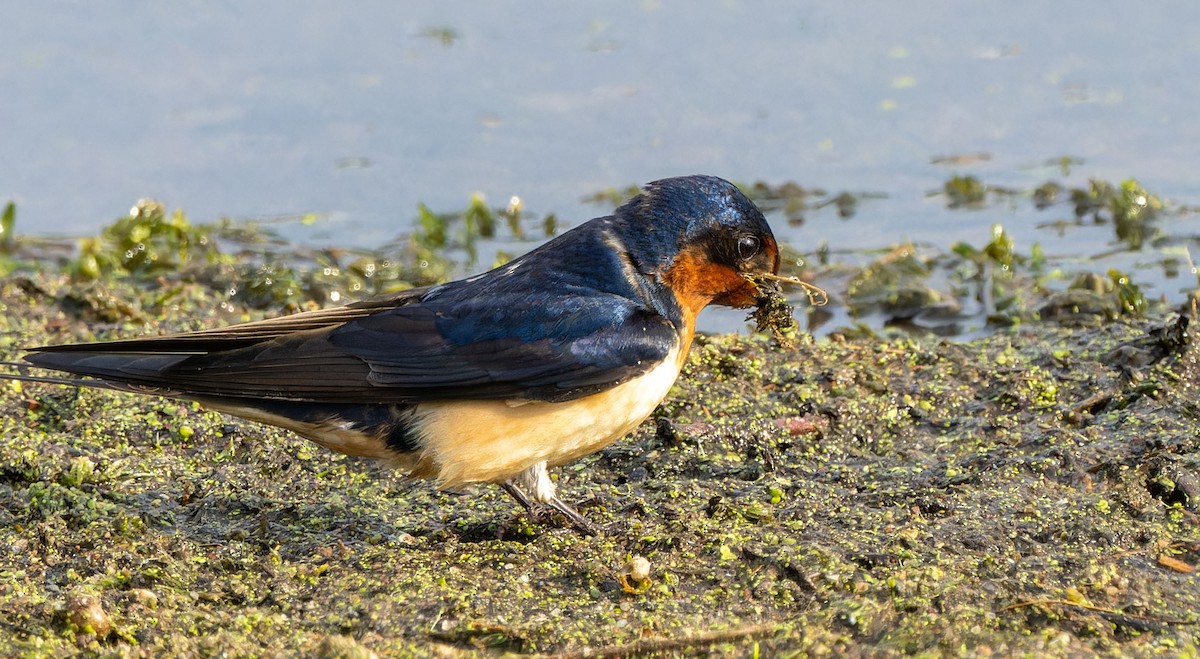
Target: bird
<point x="495" y="378"/>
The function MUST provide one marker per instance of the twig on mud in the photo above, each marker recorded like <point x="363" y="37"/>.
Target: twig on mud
<point x="1143" y="623"/>
<point x="665" y="644"/>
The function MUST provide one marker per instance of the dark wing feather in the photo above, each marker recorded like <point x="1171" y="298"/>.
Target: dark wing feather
<point x="543" y="349"/>
<point x="407" y="348"/>
<point x="245" y="334"/>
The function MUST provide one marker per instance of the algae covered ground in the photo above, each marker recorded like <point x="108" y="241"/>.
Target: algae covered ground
<point x="1033" y="492"/>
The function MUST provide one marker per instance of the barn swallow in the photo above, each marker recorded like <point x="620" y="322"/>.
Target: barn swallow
<point x="490" y="379"/>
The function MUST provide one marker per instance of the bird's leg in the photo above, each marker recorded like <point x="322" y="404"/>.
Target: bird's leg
<point x="537" y="479"/>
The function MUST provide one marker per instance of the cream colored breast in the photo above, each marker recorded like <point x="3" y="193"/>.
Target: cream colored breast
<point x="491" y="441"/>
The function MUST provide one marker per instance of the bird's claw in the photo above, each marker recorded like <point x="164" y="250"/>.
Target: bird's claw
<point x="539" y="511"/>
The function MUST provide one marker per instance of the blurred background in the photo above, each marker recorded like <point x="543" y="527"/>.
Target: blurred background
<point x="356" y="113"/>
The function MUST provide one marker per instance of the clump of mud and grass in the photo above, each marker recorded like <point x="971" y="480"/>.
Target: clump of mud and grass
<point x="1034" y="491"/>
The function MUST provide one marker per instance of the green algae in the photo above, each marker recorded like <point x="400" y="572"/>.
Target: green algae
<point x="902" y="495"/>
<point x="1030" y="492"/>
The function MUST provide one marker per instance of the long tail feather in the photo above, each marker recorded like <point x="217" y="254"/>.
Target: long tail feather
<point x="93" y="383"/>
<point x="69" y="382"/>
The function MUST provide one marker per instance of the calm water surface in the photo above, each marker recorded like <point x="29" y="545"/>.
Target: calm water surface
<point x="360" y="111"/>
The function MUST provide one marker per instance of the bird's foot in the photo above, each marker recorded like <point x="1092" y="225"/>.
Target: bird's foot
<point x="538" y="509"/>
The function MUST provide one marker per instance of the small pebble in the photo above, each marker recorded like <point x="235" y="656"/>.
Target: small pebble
<point x="637" y="569"/>
<point x="145" y="597"/>
<point x="86" y="615"/>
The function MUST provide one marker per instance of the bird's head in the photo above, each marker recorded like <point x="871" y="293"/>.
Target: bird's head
<point x="702" y="237"/>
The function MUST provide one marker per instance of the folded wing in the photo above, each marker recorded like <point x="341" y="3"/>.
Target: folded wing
<point x="410" y="347"/>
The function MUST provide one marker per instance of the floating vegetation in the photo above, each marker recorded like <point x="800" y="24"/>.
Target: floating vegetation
<point x="896" y="284"/>
<point x="1133" y="303"/>
<point x="965" y="191"/>
<point x="613" y="196"/>
<point x="795" y="202"/>
<point x="962" y="289"/>
<point x="1128" y="206"/>
<point x="446" y="36"/>
<point x="8" y="221"/>
<point x="145" y="244"/>
<point x="257" y="269"/>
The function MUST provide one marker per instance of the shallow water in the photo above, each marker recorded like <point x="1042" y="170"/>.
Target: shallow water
<point x="359" y="113"/>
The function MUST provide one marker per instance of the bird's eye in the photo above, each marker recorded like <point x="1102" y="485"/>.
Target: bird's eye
<point x="747" y="247"/>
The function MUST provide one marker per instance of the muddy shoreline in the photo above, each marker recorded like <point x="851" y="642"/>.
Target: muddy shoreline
<point x="1031" y="492"/>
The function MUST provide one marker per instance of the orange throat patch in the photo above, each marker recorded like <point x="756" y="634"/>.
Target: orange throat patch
<point x="697" y="282"/>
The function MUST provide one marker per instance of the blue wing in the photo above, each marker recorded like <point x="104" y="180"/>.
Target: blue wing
<point x="571" y="318"/>
<point x="416" y="347"/>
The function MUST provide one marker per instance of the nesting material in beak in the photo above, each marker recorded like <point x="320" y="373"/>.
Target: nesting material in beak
<point x="771" y="309"/>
